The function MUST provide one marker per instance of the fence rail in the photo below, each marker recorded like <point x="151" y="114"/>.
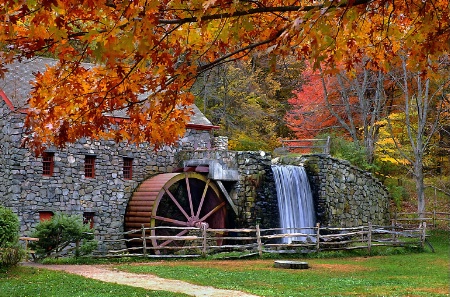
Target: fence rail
<point x="412" y="218"/>
<point x="303" y="145"/>
<point x="206" y="241"/>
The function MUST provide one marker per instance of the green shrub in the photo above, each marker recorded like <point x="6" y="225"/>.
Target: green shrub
<point x="9" y="228"/>
<point x="342" y="148"/>
<point x="10" y="251"/>
<point x="59" y="233"/>
<point x="246" y="144"/>
<point x="10" y="256"/>
<point x="398" y="192"/>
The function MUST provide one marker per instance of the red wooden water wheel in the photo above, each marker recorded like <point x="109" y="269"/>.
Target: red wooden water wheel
<point x="187" y="199"/>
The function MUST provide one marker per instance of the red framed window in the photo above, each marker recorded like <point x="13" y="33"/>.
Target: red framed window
<point x="88" y="218"/>
<point x="127" y="168"/>
<point x="47" y="163"/>
<point x="45" y="215"/>
<point x="89" y="166"/>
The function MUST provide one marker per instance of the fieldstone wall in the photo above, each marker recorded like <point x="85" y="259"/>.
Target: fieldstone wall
<point x="253" y="168"/>
<point x="25" y="190"/>
<point x="220" y="143"/>
<point x="196" y="140"/>
<point x="344" y="195"/>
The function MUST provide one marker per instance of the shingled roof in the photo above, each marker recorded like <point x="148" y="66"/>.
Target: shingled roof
<point x="15" y="88"/>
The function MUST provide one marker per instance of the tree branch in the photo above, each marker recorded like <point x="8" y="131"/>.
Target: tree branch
<point x="261" y="10"/>
<point x="244" y="49"/>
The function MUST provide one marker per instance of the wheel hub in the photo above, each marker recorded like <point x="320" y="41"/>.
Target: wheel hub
<point x="195" y="221"/>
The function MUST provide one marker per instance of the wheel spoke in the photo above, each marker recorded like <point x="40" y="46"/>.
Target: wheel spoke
<point x="176" y="203"/>
<point x="212" y="211"/>
<point x="172" y="221"/>
<point x="188" y="186"/>
<point x="170" y="240"/>
<point x="203" y="199"/>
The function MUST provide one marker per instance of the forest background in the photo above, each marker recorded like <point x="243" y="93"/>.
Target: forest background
<point x="373" y="74"/>
<point x="363" y="112"/>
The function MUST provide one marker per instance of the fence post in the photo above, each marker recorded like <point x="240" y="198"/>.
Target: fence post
<point x="394" y="232"/>
<point x="317" y="237"/>
<point x="369" y="238"/>
<point x="258" y="240"/>
<point x="434" y="218"/>
<point x="144" y="242"/>
<point x="434" y="208"/>
<point x="203" y="227"/>
<point x="327" y="146"/>
<point x="423" y="234"/>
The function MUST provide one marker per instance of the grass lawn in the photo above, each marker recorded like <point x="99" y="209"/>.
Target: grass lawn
<point x="401" y="274"/>
<point x="26" y="281"/>
<point x="405" y="274"/>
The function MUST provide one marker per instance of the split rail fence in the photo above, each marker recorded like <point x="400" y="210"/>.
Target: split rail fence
<point x="307" y="145"/>
<point x="205" y="241"/>
<point x="435" y="217"/>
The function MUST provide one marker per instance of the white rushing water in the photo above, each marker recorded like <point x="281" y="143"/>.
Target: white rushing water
<point x="295" y="202"/>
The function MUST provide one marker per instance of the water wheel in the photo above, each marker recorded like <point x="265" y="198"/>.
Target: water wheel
<point x="187" y="199"/>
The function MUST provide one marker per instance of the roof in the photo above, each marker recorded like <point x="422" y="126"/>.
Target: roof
<point x="16" y="84"/>
<point x="15" y="88"/>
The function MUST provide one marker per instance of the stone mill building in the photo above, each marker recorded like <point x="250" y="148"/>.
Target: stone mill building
<point x="118" y="186"/>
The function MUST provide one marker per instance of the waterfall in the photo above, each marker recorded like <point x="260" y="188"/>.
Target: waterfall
<point x="295" y="202"/>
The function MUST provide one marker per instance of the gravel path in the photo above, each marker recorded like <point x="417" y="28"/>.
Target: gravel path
<point x="107" y="274"/>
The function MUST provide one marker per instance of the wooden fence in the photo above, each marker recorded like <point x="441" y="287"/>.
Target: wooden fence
<point x="204" y="241"/>
<point x="436" y="217"/>
<point x="433" y="218"/>
<point x="307" y="145"/>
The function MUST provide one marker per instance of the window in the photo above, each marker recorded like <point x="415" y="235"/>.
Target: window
<point x="45" y="215"/>
<point x="47" y="163"/>
<point x="127" y="168"/>
<point x="89" y="166"/>
<point x="88" y="218"/>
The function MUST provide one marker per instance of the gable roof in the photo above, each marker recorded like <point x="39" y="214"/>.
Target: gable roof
<point x="16" y="84"/>
<point x="15" y="89"/>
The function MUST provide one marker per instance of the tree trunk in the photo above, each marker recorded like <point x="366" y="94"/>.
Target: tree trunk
<point x="420" y="186"/>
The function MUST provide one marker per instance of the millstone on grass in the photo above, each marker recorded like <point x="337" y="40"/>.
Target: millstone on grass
<point x="290" y="264"/>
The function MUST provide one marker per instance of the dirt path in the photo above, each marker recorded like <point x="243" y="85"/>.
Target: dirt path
<point x="107" y="274"/>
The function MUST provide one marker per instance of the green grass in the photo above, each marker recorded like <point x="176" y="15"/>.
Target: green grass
<point x="393" y="272"/>
<point x="86" y="260"/>
<point x="26" y="281"/>
<point x="413" y="274"/>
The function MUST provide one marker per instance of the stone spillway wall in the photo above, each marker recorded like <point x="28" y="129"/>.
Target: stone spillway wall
<point x="344" y="195"/>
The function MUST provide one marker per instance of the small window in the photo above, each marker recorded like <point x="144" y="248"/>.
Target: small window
<point x="45" y="215"/>
<point x="47" y="163"/>
<point x="127" y="168"/>
<point x="88" y="218"/>
<point x="89" y="166"/>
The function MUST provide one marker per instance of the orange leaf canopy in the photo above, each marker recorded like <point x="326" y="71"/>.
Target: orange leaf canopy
<point x="147" y="54"/>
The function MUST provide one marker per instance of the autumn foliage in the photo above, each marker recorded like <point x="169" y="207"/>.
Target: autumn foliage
<point x="309" y="114"/>
<point x="147" y="54"/>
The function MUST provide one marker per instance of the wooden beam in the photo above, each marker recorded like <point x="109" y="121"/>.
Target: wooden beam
<point x="227" y="196"/>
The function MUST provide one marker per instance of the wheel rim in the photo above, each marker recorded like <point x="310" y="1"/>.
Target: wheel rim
<point x="186" y="199"/>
